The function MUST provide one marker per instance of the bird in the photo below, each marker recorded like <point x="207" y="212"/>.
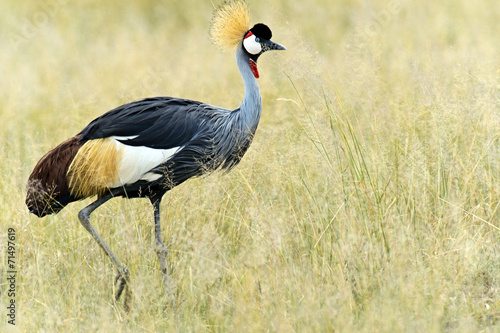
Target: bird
<point x="145" y="148"/>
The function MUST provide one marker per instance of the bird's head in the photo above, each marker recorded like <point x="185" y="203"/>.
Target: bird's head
<point x="257" y="41"/>
<point x="230" y="29"/>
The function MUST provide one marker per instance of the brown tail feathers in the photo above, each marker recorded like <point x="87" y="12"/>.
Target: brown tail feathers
<point x="47" y="189"/>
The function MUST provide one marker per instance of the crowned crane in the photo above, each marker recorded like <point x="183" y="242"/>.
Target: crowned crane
<point x="147" y="147"/>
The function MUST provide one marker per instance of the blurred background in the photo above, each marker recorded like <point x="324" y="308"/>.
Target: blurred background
<point x="367" y="202"/>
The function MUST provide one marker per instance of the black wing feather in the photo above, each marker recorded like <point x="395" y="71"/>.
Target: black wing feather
<point x="160" y="122"/>
<point x="163" y="123"/>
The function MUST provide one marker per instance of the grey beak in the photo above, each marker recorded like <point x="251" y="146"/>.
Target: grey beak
<point x="270" y="45"/>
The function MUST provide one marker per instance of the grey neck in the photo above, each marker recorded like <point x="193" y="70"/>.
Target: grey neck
<point x="251" y="107"/>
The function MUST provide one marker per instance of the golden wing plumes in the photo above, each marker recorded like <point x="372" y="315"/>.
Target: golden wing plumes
<point x="94" y="168"/>
<point x="230" y="23"/>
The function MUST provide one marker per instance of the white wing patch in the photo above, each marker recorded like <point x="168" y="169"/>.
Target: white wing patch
<point x="137" y="161"/>
<point x="123" y="138"/>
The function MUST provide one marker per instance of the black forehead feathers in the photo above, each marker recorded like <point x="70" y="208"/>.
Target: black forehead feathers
<point x="262" y="31"/>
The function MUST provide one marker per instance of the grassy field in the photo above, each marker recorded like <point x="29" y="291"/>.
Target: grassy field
<point x="368" y="202"/>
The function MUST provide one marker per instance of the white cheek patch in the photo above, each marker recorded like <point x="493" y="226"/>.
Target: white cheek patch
<point x="251" y="45"/>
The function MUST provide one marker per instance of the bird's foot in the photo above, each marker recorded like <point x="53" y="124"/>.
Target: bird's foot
<point x="122" y="279"/>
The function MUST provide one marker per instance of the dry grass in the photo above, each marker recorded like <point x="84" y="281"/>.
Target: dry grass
<point x="368" y="201"/>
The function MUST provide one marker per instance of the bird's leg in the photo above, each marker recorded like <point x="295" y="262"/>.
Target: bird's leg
<point x="160" y="248"/>
<point x="84" y="217"/>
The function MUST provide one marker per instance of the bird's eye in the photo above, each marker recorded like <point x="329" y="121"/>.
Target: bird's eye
<point x="257" y="39"/>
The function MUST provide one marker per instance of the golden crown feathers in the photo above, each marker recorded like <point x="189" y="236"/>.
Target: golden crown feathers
<point x="229" y="24"/>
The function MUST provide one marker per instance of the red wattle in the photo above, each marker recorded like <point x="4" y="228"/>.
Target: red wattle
<point x="253" y="66"/>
